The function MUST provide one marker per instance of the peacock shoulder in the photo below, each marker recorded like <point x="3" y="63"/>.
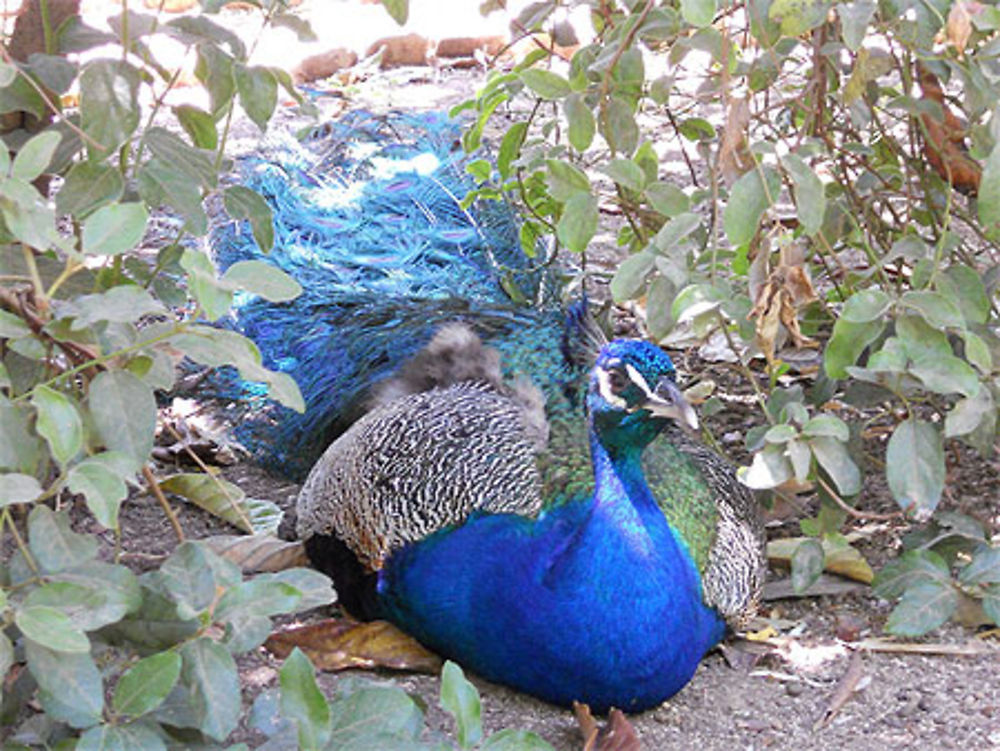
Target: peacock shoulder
<point x="717" y="518"/>
<point x="420" y="463"/>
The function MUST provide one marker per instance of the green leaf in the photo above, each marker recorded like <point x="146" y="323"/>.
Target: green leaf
<point x="964" y="287"/>
<point x="935" y="308"/>
<point x="263" y="279"/>
<point x="262" y="595"/>
<point x="102" y="487"/>
<point x="303" y="703"/>
<point x="854" y="20"/>
<point x="357" y="717"/>
<point x="399" y="10"/>
<point x="54" y="545"/>
<point x="461" y="700"/>
<point x="828" y="426"/>
<point x="988" y="198"/>
<point x="93" y="595"/>
<point x="124" y="413"/>
<point x="109" y="105"/>
<point x="565" y="180"/>
<point x="910" y="568"/>
<point x="769" y="469"/>
<point x="510" y="147"/>
<point x="144" y="686"/>
<point x="832" y="456"/>
<point x="626" y="173"/>
<point x="925" y="606"/>
<point x="545" y="83"/>
<point x="258" y="90"/>
<point x="209" y="673"/>
<point x="69" y="685"/>
<point x="915" y="467"/>
<point x="866" y="305"/>
<point x="214" y="298"/>
<point x="810" y="200"/>
<point x="134" y="736"/>
<point x="187" y="578"/>
<point x="676" y="231"/>
<point x="807" y="564"/>
<point x="51" y="628"/>
<point x="618" y="126"/>
<point x="667" y="199"/>
<point x="799" y="16"/>
<point x="630" y="277"/>
<point x="984" y="567"/>
<point x="88" y="186"/>
<point x="849" y="340"/>
<point x="969" y="413"/>
<point x="945" y="374"/>
<point x="578" y="222"/>
<point x="315" y="589"/>
<point x="749" y="198"/>
<point x="115" y="229"/>
<point x="163" y="183"/>
<point x="243" y="203"/>
<point x="698" y="13"/>
<point x="217" y="347"/>
<point x="215" y="70"/>
<point x="582" y="125"/>
<point x="58" y="423"/>
<point x="18" y="488"/>
<point x="199" y="125"/>
<point x="196" y="165"/>
<point x="34" y="157"/>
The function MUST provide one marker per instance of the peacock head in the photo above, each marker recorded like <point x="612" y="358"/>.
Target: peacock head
<point x="633" y="392"/>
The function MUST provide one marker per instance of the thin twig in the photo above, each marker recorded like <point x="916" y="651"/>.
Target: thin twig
<point x="154" y="488"/>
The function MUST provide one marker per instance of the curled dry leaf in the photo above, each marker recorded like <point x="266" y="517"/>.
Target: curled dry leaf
<point x="735" y="158"/>
<point x="958" y="29"/>
<point x="945" y="135"/>
<point x="776" y="304"/>
<point x="837" y="559"/>
<point x="340" y="643"/>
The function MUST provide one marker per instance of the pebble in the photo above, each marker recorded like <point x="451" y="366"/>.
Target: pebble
<point x="793" y="688"/>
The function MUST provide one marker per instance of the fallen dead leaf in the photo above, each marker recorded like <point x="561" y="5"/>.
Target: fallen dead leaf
<point x="838" y="559"/>
<point x="340" y="643"/>
<point x="257" y="553"/>
<point x="958" y="29"/>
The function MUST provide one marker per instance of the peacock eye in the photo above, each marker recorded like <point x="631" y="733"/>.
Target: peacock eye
<point x="617" y="380"/>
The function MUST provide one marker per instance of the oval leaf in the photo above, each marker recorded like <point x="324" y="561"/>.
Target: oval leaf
<point x="915" y="467"/>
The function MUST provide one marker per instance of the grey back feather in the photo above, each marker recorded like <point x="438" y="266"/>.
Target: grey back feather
<point x="420" y="463"/>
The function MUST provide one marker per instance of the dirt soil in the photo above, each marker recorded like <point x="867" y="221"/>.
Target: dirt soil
<point x="744" y="700"/>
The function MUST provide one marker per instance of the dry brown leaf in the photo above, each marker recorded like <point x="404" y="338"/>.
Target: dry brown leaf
<point x="340" y="643"/>
<point x="945" y="139"/>
<point x="958" y="29"/>
<point x="616" y="735"/>
<point x="735" y="158"/>
<point x="257" y="553"/>
<point x="787" y="288"/>
<point x="837" y="559"/>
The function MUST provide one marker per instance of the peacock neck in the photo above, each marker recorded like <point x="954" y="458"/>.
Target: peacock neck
<point x="622" y="498"/>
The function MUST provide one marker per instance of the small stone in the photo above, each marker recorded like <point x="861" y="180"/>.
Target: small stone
<point x="924" y="704"/>
<point x="794" y="688"/>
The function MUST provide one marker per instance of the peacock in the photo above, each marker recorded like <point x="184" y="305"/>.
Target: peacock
<point x="494" y="476"/>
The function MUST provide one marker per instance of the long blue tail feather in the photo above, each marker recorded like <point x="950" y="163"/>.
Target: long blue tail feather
<point x="368" y="218"/>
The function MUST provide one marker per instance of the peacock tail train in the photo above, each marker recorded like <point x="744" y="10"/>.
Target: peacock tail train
<point x="369" y="219"/>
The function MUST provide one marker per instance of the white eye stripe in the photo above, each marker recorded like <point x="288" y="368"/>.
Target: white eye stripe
<point x="638" y="380"/>
<point x="607" y="393"/>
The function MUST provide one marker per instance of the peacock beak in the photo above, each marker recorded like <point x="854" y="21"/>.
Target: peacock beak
<point x="668" y="401"/>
